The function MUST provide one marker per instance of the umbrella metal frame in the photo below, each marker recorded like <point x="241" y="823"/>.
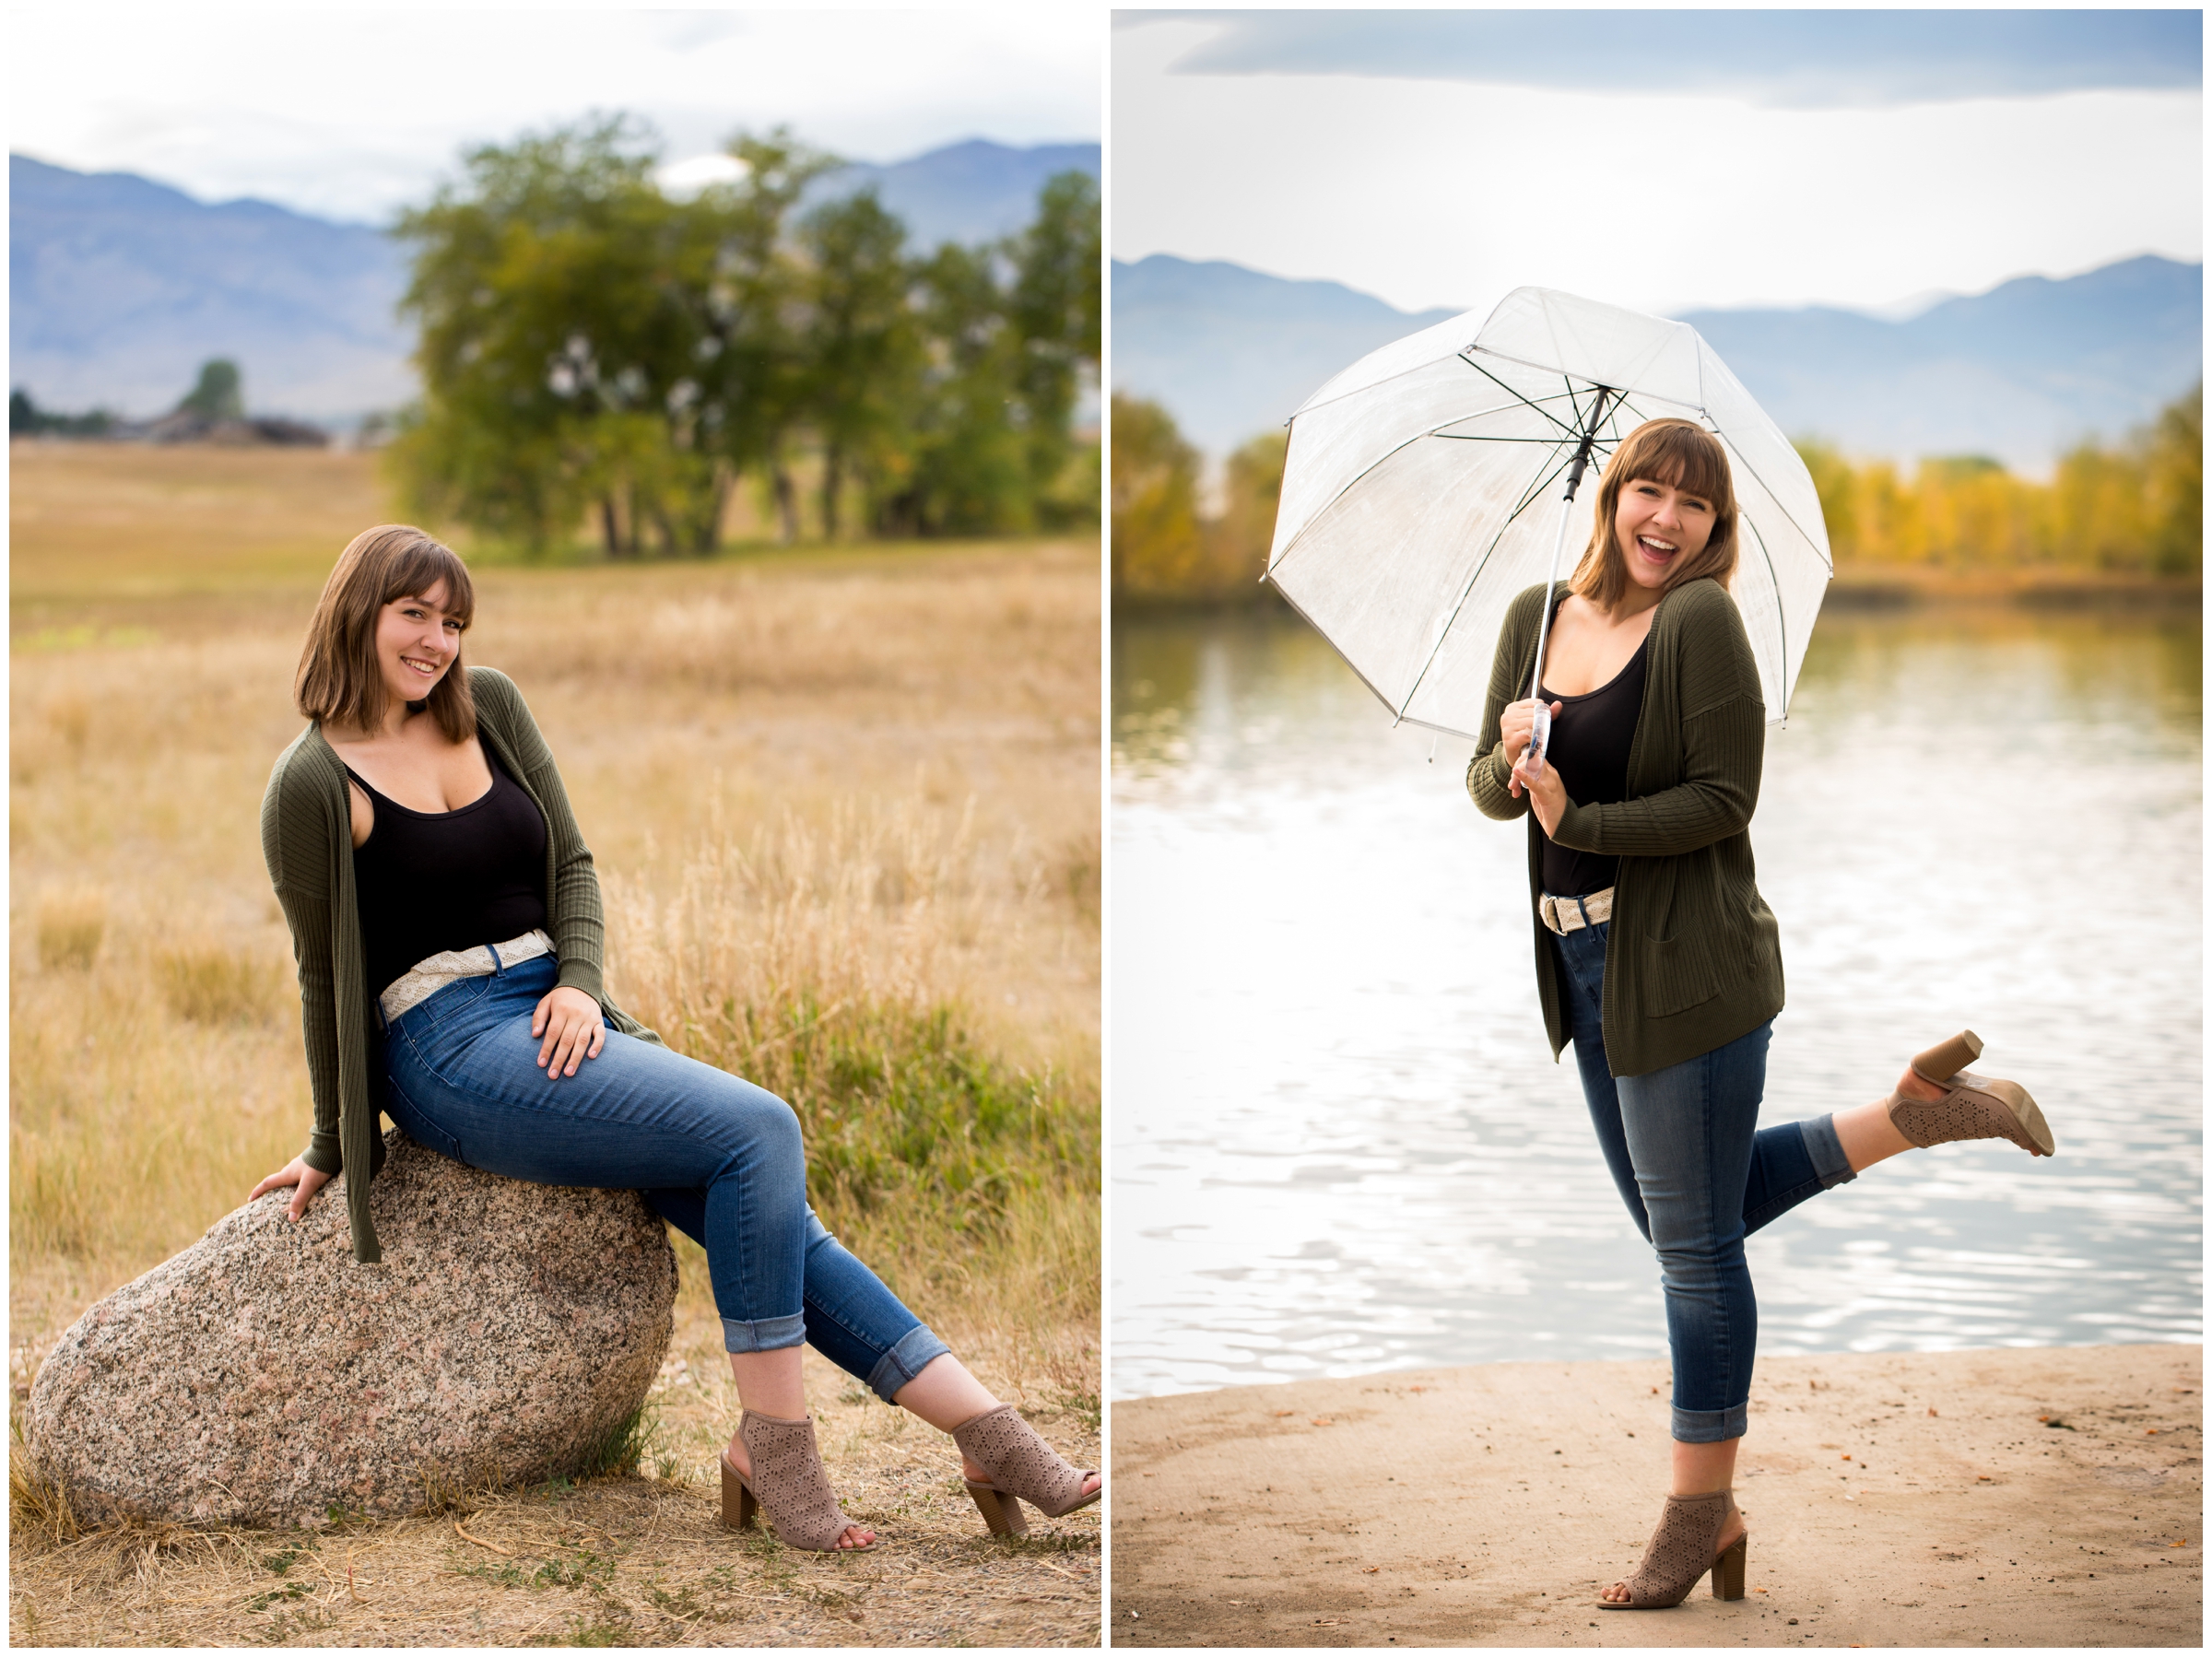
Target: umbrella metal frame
<point x="1539" y="730"/>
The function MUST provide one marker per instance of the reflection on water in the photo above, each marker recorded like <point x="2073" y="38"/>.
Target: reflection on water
<point x="1339" y="1143"/>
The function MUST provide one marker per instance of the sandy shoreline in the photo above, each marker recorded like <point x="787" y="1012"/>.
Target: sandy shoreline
<point x="1487" y="1506"/>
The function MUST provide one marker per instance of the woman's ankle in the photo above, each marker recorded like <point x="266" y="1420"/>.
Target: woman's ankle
<point x="1913" y="1085"/>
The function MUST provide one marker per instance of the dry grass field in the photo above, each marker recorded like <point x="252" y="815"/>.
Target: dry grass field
<point x="842" y="802"/>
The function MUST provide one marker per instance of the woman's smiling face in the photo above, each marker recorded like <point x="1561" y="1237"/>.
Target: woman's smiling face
<point x="1659" y="528"/>
<point x="417" y="641"/>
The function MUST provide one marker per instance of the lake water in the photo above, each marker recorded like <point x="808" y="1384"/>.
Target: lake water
<point x="1339" y="1144"/>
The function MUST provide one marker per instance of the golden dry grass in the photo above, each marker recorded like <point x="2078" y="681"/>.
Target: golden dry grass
<point x="863" y="782"/>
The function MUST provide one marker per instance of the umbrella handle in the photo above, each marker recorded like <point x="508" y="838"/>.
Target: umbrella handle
<point x="1539" y="731"/>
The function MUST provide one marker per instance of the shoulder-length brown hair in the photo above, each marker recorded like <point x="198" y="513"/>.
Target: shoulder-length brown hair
<point x="1683" y="455"/>
<point x="340" y="678"/>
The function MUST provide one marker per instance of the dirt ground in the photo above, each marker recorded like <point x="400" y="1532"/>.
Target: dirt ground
<point x="639" y="1560"/>
<point x="2050" y="1497"/>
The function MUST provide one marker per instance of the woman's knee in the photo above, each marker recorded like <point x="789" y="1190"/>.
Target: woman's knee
<point x="1702" y="1259"/>
<point x="774" y="1126"/>
<point x="748" y="1119"/>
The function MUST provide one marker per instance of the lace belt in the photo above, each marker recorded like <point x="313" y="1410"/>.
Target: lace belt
<point x="433" y="972"/>
<point x="1563" y="915"/>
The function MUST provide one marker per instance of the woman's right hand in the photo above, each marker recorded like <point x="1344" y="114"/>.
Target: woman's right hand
<point x="1515" y="725"/>
<point x="304" y="1180"/>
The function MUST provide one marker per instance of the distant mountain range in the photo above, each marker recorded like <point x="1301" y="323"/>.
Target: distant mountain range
<point x="121" y="288"/>
<point x="966" y="193"/>
<point x="2018" y="373"/>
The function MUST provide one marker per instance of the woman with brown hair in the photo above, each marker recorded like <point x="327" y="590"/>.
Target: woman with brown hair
<point x="1657" y="958"/>
<point x="445" y="919"/>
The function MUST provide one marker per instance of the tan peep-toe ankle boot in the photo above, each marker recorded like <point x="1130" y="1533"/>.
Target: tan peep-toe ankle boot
<point x="787" y="1484"/>
<point x="1684" y="1547"/>
<point x="1023" y="1467"/>
<point x="1973" y="1107"/>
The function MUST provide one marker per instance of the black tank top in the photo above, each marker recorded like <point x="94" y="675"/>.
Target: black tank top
<point x="1591" y="735"/>
<point x="429" y="881"/>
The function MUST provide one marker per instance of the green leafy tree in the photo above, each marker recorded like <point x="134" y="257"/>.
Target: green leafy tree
<point x="592" y="347"/>
<point x="751" y="352"/>
<point x="589" y="342"/>
<point x="536" y="285"/>
<point x="861" y="341"/>
<point x="221" y="394"/>
<point x="963" y="466"/>
<point x="1053" y="307"/>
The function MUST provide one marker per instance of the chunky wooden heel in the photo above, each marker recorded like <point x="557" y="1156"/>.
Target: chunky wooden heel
<point x="738" y="1502"/>
<point x="1728" y="1570"/>
<point x="1973" y="1107"/>
<point x="1947" y="1059"/>
<point x="1001" y="1510"/>
<point x="738" y="1505"/>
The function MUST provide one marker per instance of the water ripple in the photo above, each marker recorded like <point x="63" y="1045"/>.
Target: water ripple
<point x="1339" y="1144"/>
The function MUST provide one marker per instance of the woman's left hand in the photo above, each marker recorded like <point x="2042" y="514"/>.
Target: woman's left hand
<point x="1546" y="793"/>
<point x="574" y="1030"/>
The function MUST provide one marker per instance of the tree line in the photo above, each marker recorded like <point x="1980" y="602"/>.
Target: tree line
<point x="1167" y="547"/>
<point x="595" y="349"/>
<point x="2134" y="507"/>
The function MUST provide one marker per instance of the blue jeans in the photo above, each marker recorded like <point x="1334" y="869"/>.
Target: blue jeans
<point x="716" y="1157"/>
<point x="1698" y="1175"/>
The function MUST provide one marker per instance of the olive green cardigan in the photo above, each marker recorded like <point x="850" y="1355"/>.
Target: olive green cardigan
<point x="1693" y="959"/>
<point x="307" y="837"/>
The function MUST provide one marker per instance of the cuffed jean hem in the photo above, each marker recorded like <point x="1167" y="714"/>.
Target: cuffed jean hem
<point x="909" y="1355"/>
<point x="764" y="1334"/>
<point x="1711" y="1427"/>
<point x="1825" y="1151"/>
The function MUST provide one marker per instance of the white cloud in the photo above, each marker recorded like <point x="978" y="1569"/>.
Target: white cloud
<point x="1434" y="193"/>
<point x="351" y="113"/>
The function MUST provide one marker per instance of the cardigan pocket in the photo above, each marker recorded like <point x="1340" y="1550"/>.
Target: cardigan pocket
<point x="1678" y="975"/>
<point x="1675" y="972"/>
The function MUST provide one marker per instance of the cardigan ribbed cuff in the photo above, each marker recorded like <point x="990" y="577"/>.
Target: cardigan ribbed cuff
<point x="578" y="974"/>
<point x="322" y="1153"/>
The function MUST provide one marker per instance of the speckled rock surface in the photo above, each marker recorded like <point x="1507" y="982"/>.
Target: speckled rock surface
<point x="261" y="1376"/>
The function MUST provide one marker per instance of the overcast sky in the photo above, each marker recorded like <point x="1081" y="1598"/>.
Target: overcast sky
<point x="1663" y="161"/>
<point x="349" y="114"/>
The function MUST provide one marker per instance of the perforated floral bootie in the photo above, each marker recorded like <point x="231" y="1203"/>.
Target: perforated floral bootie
<point x="787" y="1485"/>
<point x="1022" y="1467"/>
<point x="1973" y="1107"/>
<point x="1684" y="1547"/>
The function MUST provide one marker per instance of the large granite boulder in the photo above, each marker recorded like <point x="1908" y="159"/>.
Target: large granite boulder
<point x="261" y="1377"/>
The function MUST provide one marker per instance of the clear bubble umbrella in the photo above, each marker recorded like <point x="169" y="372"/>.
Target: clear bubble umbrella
<point x="1418" y="492"/>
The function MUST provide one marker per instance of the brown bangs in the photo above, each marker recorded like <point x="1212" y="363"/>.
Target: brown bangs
<point x="339" y="680"/>
<point x="420" y="565"/>
<point x="1682" y="455"/>
<point x="1679" y="455"/>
